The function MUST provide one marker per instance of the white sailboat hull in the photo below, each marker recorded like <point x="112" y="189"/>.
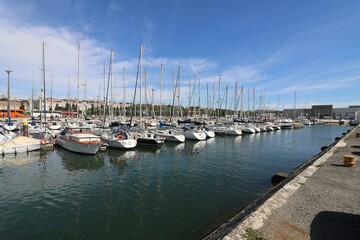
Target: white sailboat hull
<point x="122" y="143"/>
<point x="198" y="136"/>
<point x="233" y="132"/>
<point x="171" y="136"/>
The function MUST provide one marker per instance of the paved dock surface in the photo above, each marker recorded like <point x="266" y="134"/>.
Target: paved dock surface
<point x="321" y="202"/>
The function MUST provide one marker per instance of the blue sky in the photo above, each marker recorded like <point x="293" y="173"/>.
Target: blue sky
<point x="275" y="47"/>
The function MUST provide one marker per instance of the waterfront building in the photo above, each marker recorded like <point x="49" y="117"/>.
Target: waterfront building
<point x="346" y="113"/>
<point x="322" y="111"/>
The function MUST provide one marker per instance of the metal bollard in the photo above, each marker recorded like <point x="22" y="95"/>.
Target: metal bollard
<point x="25" y="129"/>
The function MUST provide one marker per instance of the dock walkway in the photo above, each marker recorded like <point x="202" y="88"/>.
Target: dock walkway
<point x="320" y="202"/>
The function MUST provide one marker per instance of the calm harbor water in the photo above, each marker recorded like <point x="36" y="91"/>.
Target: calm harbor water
<point x="178" y="191"/>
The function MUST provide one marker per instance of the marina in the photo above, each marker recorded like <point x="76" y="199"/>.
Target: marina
<point x="178" y="119"/>
<point x="172" y="191"/>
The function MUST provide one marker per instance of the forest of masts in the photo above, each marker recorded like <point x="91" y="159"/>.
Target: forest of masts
<point x="143" y="104"/>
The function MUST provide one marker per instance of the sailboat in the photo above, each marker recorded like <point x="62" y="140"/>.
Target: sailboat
<point x="144" y="137"/>
<point x="10" y="125"/>
<point x="118" y="138"/>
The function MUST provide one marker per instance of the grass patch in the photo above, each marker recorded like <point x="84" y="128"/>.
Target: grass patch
<point x="251" y="234"/>
<point x="319" y="165"/>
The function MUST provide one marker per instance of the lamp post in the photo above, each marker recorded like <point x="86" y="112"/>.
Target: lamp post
<point x="8" y="72"/>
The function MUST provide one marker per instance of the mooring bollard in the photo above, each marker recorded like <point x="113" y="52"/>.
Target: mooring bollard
<point x="349" y="160"/>
<point x="25" y="129"/>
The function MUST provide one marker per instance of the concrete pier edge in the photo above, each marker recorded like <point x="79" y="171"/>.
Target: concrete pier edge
<point x="253" y="215"/>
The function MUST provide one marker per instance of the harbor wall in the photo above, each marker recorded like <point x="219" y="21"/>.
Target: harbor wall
<point x="255" y="212"/>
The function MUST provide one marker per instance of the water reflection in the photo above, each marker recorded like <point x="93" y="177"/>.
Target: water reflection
<point x="21" y="158"/>
<point x="210" y="141"/>
<point x="119" y="158"/>
<point x="179" y="147"/>
<point x="175" y="192"/>
<point x="149" y="149"/>
<point x="237" y="139"/>
<point x="194" y="147"/>
<point x="74" y="161"/>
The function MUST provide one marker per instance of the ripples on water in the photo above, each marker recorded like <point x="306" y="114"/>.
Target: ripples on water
<point x="177" y="191"/>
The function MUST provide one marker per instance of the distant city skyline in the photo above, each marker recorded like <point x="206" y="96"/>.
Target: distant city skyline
<point x="277" y="48"/>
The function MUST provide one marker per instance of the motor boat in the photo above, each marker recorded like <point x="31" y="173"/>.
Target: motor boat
<point x="79" y="139"/>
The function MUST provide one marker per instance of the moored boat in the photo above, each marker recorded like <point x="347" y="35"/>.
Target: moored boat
<point x="21" y="144"/>
<point x="285" y="123"/>
<point x="209" y="132"/>
<point x="146" y="138"/>
<point x="170" y="135"/>
<point x="79" y="139"/>
<point x="233" y="130"/>
<point x="120" y="139"/>
<point x="192" y="133"/>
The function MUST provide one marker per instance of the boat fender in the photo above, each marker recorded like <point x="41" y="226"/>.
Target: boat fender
<point x="42" y="141"/>
<point x="136" y="137"/>
<point x="155" y="136"/>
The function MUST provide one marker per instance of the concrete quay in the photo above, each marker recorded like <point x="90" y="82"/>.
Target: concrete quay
<point x="319" y="200"/>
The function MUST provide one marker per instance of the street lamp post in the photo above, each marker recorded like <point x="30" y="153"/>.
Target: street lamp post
<point x="8" y="72"/>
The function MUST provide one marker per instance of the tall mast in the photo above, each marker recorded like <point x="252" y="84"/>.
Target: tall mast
<point x="254" y="104"/>
<point x="124" y="91"/>
<point x="178" y="91"/>
<point x="199" y="95"/>
<point x="111" y="84"/>
<point x="242" y="102"/>
<point x="85" y="96"/>
<point x="44" y="85"/>
<point x="9" y="111"/>
<point x="173" y="94"/>
<point x="295" y="105"/>
<point x="152" y="103"/>
<point x="226" y="97"/>
<point x="248" y="112"/>
<point x="146" y="93"/>
<point x="104" y="89"/>
<point x="32" y="96"/>
<point x="78" y="81"/>
<point x="235" y="99"/>
<point x="108" y="84"/>
<point x="213" y="100"/>
<point x="140" y="76"/>
<point x="218" y="115"/>
<point x="51" y="99"/>
<point x="98" y="98"/>
<point x="207" y="100"/>
<point x="188" y="114"/>
<point x="194" y="96"/>
<point x="133" y="107"/>
<point x="161" y="81"/>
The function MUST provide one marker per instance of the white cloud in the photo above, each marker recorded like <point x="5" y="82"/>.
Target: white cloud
<point x="22" y="53"/>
